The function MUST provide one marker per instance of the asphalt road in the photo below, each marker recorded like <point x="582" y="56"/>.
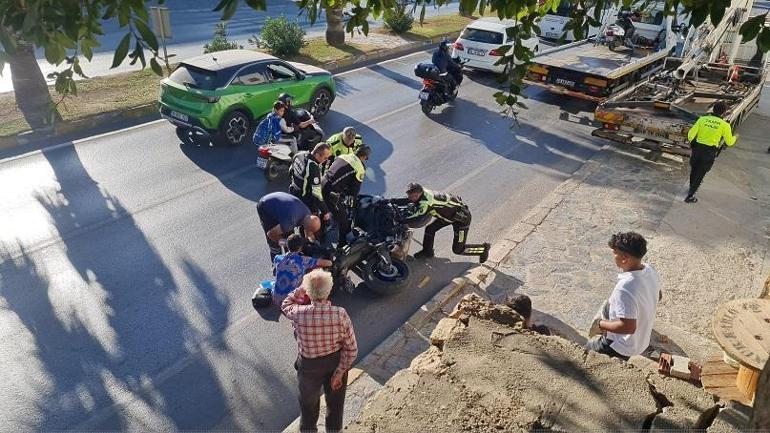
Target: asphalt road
<point x="128" y="260"/>
<point x="192" y="26"/>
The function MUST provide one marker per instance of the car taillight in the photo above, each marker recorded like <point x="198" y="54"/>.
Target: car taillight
<point x="494" y="52"/>
<point x="427" y="83"/>
<point x="458" y="46"/>
<point x="264" y="151"/>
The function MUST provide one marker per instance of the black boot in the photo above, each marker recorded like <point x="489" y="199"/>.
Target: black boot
<point x="485" y="255"/>
<point x="424" y="254"/>
<point x="690" y="199"/>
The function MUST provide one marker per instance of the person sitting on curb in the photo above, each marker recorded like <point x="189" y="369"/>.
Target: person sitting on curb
<point x="291" y="267"/>
<point x="625" y="324"/>
<point x="522" y="304"/>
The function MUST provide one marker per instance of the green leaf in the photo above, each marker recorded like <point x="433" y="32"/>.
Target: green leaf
<point x="228" y="8"/>
<point x="750" y="29"/>
<point x="124" y="14"/>
<point x="259" y="5"/>
<point x="522" y="105"/>
<point x="121" y="51"/>
<point x="147" y="34"/>
<point x="156" y="67"/>
<point x="717" y="12"/>
<point x="763" y="42"/>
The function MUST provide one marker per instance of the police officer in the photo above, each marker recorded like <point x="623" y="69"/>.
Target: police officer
<point x="306" y="175"/>
<point x="345" y="142"/>
<point x="280" y="214"/>
<point x="706" y="137"/>
<point x="343" y="179"/>
<point x="447" y="210"/>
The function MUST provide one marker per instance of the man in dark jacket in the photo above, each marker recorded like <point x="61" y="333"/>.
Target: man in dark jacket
<point x="444" y="62"/>
<point x="306" y="176"/>
<point x="446" y="209"/>
<point x="344" y="179"/>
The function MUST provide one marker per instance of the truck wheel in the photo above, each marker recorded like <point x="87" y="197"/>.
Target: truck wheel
<point x="426" y="106"/>
<point x="234" y="129"/>
<point x="272" y="171"/>
<point x="386" y="282"/>
<point x="321" y="102"/>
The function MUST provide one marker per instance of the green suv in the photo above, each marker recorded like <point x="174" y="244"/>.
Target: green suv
<point x="221" y="95"/>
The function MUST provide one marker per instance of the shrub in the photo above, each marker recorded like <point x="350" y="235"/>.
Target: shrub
<point x="400" y="20"/>
<point x="220" y="41"/>
<point x="281" y="36"/>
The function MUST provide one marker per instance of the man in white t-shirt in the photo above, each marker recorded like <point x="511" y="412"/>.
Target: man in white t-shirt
<point x="626" y="325"/>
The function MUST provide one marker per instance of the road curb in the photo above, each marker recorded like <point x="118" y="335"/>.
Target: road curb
<point x="68" y="127"/>
<point x="478" y="278"/>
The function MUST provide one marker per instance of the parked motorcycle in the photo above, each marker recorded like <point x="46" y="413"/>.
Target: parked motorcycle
<point x="623" y="33"/>
<point x="376" y="247"/>
<point x="435" y="89"/>
<point x="275" y="158"/>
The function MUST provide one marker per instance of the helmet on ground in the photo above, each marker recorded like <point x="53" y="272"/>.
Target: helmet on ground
<point x="413" y="187"/>
<point x="285" y="98"/>
<point x="262" y="297"/>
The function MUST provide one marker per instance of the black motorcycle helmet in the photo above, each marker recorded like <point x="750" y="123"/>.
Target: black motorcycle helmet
<point x="286" y="99"/>
<point x="414" y="187"/>
<point x="262" y="297"/>
<point x="444" y="45"/>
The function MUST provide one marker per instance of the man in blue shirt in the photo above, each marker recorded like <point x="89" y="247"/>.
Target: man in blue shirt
<point x="280" y="214"/>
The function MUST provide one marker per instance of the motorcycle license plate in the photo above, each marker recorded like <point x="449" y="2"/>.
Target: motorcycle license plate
<point x="424" y="96"/>
<point x="564" y="82"/>
<point x="261" y="162"/>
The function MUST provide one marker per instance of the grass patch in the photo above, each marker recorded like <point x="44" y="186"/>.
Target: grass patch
<point x="317" y="51"/>
<point x="437" y="26"/>
<point x="95" y="95"/>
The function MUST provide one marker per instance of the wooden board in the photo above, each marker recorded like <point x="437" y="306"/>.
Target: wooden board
<point x="742" y="328"/>
<point x="720" y="379"/>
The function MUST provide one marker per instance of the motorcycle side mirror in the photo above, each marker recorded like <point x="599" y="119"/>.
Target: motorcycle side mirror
<point x="300" y="76"/>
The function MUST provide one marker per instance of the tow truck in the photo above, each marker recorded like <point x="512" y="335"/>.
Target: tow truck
<point x="717" y="66"/>
<point x="588" y="69"/>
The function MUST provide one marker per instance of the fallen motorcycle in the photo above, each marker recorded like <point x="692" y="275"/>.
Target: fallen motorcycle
<point x="376" y="247"/>
<point x="275" y="158"/>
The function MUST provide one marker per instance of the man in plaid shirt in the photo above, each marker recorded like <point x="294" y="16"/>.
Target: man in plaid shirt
<point x="327" y="348"/>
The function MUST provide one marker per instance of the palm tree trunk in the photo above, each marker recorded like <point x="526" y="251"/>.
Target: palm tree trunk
<point x="335" y="27"/>
<point x="30" y="88"/>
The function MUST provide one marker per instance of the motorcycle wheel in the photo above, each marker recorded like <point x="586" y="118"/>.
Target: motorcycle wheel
<point x="388" y="281"/>
<point x="272" y="171"/>
<point x="426" y="106"/>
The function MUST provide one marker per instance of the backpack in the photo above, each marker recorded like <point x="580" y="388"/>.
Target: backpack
<point x="264" y="132"/>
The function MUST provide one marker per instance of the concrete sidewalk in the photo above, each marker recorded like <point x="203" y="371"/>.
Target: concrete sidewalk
<point x="706" y="253"/>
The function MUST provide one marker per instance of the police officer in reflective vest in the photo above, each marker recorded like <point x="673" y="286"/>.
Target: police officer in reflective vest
<point x="706" y="138"/>
<point x="306" y="175"/>
<point x="447" y="210"/>
<point x="343" y="179"/>
<point x="345" y="142"/>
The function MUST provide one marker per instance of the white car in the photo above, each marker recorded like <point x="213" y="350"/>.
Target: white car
<point x="479" y="43"/>
<point x="553" y="23"/>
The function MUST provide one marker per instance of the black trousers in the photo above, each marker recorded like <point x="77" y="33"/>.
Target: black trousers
<point x="701" y="161"/>
<point x="459" y="245"/>
<point x="602" y="345"/>
<point x="340" y="215"/>
<point x="268" y="223"/>
<point x="313" y="375"/>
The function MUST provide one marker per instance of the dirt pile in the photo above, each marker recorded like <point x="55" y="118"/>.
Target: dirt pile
<point x="484" y="372"/>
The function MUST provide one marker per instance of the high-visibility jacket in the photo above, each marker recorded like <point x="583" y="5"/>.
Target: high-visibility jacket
<point x="344" y="177"/>
<point x="306" y="181"/>
<point x="338" y="147"/>
<point x="446" y="207"/>
<point x="709" y="130"/>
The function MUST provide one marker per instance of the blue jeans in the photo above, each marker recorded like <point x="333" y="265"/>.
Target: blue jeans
<point x="602" y="345"/>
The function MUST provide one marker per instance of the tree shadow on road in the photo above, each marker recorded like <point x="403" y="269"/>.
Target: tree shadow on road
<point x="102" y="317"/>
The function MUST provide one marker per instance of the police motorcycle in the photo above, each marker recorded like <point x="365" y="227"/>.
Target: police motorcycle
<point x="377" y="246"/>
<point x="435" y="89"/>
<point x="275" y="158"/>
